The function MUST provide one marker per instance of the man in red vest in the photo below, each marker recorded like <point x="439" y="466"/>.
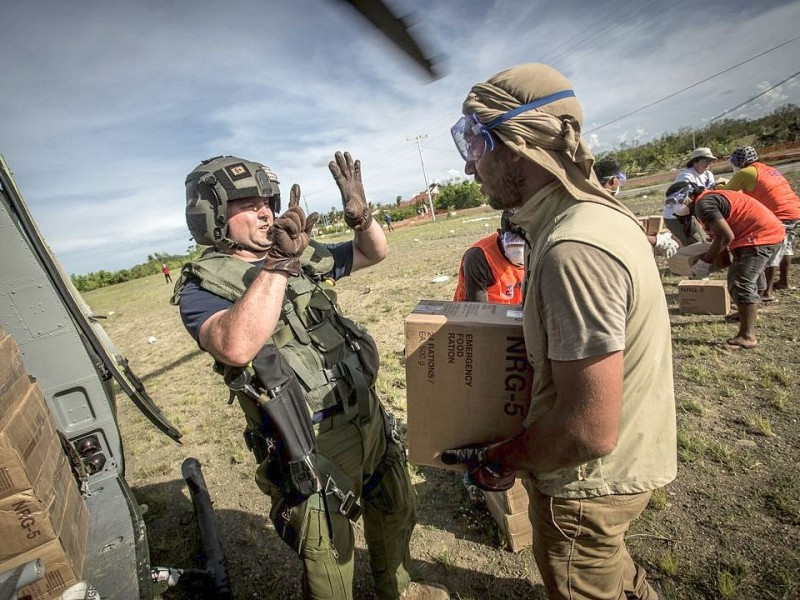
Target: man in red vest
<point x="492" y="269"/>
<point x="767" y="185"/>
<point x="747" y="228"/>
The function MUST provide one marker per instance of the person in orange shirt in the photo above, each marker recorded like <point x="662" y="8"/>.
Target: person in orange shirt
<point x="742" y="225"/>
<point x="492" y="269"/>
<point x="767" y="185"/>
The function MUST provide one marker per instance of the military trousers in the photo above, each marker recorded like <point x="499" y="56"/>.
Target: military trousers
<point x="325" y="538"/>
<point x="579" y="546"/>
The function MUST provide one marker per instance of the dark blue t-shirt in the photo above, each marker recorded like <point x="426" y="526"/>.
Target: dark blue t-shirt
<point x="197" y="304"/>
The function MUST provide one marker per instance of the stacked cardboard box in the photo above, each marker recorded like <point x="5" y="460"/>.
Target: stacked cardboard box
<point x="467" y="375"/>
<point x="510" y="511"/>
<point x="704" y="297"/>
<point x="42" y="514"/>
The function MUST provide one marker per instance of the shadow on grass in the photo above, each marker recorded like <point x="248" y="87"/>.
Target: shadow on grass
<point x="261" y="565"/>
<point x="173" y="365"/>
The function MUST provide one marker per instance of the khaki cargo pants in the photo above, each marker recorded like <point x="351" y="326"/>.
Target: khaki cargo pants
<point x="580" y="550"/>
<point x="389" y="512"/>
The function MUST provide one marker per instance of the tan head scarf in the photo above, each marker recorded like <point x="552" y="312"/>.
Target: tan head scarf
<point x="550" y="135"/>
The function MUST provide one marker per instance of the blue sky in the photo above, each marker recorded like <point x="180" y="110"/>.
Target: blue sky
<point x="106" y="105"/>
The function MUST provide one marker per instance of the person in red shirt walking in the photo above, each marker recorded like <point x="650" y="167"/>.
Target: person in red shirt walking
<point x="742" y="225"/>
<point x="767" y="185"/>
<point x="165" y="271"/>
<point x="492" y="269"/>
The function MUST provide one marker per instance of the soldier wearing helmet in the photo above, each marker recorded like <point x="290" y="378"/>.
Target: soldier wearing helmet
<point x="600" y="433"/>
<point x="768" y="185"/>
<point x="262" y="301"/>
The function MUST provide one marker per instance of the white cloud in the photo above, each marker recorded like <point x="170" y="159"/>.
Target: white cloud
<point x="107" y="106"/>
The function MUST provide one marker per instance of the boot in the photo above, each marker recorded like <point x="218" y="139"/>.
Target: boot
<point x="422" y="591"/>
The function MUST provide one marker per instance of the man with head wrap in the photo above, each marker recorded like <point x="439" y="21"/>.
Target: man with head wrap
<point x="600" y="433"/>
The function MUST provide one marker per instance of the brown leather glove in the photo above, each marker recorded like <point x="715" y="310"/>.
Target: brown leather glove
<point x="347" y="175"/>
<point x="290" y="234"/>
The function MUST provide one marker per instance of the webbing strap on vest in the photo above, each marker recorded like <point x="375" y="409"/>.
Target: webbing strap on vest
<point x="392" y="437"/>
<point x="352" y="367"/>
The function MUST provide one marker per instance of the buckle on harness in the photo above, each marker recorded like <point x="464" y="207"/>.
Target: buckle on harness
<point x="335" y="373"/>
<point x="352" y="342"/>
<point x="348" y="503"/>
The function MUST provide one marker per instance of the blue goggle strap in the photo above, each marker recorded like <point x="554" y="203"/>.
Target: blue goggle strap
<point x="530" y="106"/>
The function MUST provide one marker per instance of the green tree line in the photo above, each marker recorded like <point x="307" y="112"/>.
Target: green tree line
<point x="97" y="279"/>
<point x="671" y="149"/>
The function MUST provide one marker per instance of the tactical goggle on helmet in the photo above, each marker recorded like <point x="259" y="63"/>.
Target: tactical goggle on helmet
<point x="472" y="137"/>
<point x="217" y="181"/>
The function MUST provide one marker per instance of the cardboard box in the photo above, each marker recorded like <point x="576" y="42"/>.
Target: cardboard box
<point x="680" y="263"/>
<point x="655" y="224"/>
<point x="29" y="445"/>
<point x="467" y="376"/>
<point x="59" y="573"/>
<point x="41" y="508"/>
<point x="11" y="368"/>
<point x="516" y="527"/>
<point x="512" y="501"/>
<point x="704" y="297"/>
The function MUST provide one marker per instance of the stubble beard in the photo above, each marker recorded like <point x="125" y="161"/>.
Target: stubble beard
<point x="509" y="180"/>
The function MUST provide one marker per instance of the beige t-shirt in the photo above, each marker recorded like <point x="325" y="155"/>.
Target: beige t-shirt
<point x="594" y="295"/>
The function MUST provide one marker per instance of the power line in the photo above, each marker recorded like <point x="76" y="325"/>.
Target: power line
<point x="722" y="114"/>
<point x="694" y="85"/>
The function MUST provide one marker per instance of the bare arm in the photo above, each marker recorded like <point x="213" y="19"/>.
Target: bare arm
<point x="582" y="425"/>
<point x="234" y="336"/>
<point x="722" y="237"/>
<point x="369" y="246"/>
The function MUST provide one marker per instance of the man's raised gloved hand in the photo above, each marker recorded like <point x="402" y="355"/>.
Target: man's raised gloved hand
<point x="700" y="270"/>
<point x="484" y="473"/>
<point x="665" y="245"/>
<point x="347" y="175"/>
<point x="290" y="234"/>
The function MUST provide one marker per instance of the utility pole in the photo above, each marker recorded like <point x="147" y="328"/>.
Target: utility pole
<point x="424" y="174"/>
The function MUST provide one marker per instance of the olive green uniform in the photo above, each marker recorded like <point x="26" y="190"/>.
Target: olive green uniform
<point x="358" y="456"/>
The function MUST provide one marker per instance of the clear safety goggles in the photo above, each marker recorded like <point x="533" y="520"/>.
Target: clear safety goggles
<point x="472" y="138"/>
<point x="679" y="202"/>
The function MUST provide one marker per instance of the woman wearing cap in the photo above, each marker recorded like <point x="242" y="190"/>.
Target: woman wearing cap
<point x="697" y="173"/>
<point x="767" y="185"/>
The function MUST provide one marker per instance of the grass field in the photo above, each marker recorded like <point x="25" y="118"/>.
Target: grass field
<point x="728" y="527"/>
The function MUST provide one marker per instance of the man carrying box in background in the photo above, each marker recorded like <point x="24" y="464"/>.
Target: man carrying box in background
<point x="767" y="185"/>
<point x="492" y="269"/>
<point x="600" y="433"/>
<point x="610" y="177"/>
<point x="742" y="225"/>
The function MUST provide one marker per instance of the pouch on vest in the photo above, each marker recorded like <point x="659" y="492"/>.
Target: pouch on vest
<point x="283" y="404"/>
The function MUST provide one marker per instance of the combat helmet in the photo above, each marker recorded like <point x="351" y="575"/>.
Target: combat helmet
<point x="215" y="182"/>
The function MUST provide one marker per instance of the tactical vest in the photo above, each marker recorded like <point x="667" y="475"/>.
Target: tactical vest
<point x="334" y="359"/>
